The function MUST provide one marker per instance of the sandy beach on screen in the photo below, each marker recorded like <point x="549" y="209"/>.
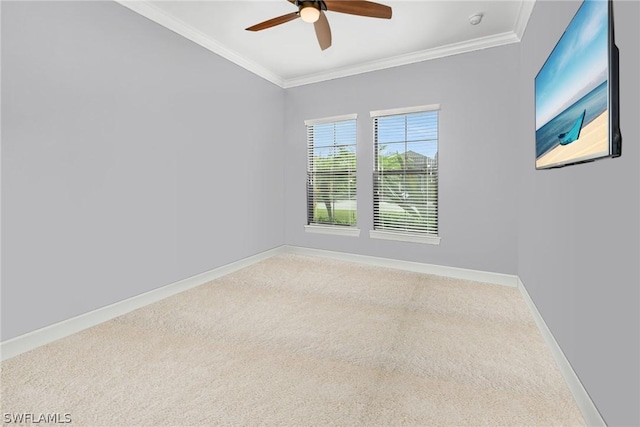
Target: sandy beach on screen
<point x="593" y="141"/>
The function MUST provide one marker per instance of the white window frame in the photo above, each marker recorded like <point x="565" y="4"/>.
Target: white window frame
<point x="415" y="237"/>
<point x="338" y="230"/>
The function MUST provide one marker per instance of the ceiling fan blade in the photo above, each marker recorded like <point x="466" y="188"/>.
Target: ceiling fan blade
<point x="275" y="21"/>
<point x="323" y="31"/>
<point x="359" y="7"/>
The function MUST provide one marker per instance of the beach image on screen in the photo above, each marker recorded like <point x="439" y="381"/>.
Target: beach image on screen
<point x="571" y="91"/>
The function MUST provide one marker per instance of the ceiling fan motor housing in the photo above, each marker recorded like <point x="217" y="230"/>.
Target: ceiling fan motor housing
<point x="318" y="4"/>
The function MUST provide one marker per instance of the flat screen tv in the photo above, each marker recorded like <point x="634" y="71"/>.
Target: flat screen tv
<point x="577" y="92"/>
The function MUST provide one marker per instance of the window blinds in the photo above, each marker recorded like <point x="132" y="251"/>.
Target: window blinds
<point x="406" y="170"/>
<point x="331" y="171"/>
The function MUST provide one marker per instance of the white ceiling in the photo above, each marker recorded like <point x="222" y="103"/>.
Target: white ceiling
<point x="288" y="55"/>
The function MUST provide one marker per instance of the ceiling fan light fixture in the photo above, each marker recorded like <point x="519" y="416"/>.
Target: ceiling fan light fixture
<point x="309" y="12"/>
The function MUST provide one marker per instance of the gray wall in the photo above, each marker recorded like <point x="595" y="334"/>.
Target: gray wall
<point x="478" y="192"/>
<point x="579" y="230"/>
<point x="127" y="164"/>
<point x="127" y="160"/>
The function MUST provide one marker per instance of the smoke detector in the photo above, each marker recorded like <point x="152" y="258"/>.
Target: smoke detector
<point x="475" y="18"/>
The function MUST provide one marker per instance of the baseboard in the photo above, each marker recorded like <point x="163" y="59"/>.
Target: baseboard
<point x="418" y="267"/>
<point x="589" y="411"/>
<point x="32" y="340"/>
<point x="37" y="338"/>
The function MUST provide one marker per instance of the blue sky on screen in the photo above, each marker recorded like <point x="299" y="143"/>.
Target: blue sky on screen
<point x="577" y="65"/>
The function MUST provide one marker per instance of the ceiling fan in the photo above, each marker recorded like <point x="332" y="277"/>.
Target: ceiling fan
<point x="312" y="11"/>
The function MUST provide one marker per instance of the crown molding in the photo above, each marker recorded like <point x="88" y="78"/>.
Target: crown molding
<point x="526" y="8"/>
<point x="157" y="15"/>
<point x="410" y="58"/>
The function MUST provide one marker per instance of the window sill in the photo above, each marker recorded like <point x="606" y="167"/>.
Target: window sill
<point x="404" y="237"/>
<point x="328" y="229"/>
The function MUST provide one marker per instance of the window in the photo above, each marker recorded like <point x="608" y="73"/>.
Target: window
<point x="331" y="175"/>
<point x="405" y="202"/>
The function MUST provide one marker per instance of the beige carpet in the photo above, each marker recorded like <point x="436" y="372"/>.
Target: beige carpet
<point x="296" y="340"/>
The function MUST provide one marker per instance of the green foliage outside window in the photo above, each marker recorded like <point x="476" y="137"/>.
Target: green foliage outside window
<point x="334" y="188"/>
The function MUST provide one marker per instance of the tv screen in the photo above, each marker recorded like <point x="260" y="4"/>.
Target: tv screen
<point x="576" y="92"/>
